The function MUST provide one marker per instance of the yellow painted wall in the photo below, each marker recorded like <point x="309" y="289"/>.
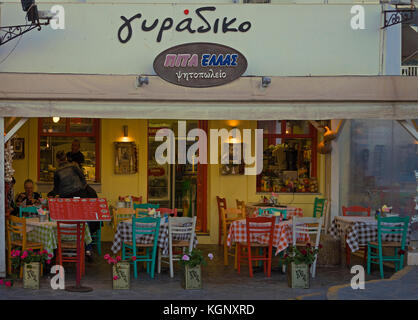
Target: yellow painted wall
<point x="231" y="187"/>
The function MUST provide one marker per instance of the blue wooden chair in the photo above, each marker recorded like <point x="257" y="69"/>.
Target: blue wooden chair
<point x="32" y="209"/>
<point x="388" y="225"/>
<point x="143" y="226"/>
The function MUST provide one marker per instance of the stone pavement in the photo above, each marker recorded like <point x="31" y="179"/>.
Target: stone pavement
<point x="403" y="285"/>
<point x="219" y="283"/>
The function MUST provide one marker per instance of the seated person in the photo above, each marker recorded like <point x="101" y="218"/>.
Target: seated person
<point x="29" y="197"/>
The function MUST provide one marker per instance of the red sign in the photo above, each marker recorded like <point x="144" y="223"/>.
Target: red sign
<point x="85" y="209"/>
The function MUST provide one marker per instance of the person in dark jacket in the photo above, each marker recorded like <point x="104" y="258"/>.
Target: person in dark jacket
<point x="69" y="182"/>
<point x="75" y="154"/>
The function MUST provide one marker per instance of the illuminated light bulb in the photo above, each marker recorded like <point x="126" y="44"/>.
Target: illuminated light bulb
<point x="56" y="119"/>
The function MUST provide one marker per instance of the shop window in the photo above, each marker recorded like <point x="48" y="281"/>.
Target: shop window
<point x="289" y="157"/>
<point x="59" y="135"/>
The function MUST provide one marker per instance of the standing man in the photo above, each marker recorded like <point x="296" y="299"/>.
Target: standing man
<point x="75" y="155"/>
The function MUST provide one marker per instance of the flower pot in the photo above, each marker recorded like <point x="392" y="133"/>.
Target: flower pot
<point x="31" y="275"/>
<point x="192" y="278"/>
<point x="121" y="270"/>
<point x="298" y="275"/>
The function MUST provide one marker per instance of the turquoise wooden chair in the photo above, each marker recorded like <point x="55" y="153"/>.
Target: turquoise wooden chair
<point x="97" y="239"/>
<point x="149" y="226"/>
<point x="146" y="206"/>
<point x="28" y="210"/>
<point x="271" y="211"/>
<point x="319" y="207"/>
<point x="388" y="225"/>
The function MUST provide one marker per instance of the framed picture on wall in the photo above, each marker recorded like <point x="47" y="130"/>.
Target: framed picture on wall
<point x="18" y="148"/>
<point x="126" y="160"/>
<point x="233" y="168"/>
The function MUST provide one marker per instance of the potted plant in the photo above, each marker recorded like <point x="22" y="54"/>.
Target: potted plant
<point x="121" y="271"/>
<point x="31" y="262"/>
<point x="298" y="261"/>
<point x="192" y="271"/>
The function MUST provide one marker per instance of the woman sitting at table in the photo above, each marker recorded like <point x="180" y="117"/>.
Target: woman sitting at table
<point x="27" y="198"/>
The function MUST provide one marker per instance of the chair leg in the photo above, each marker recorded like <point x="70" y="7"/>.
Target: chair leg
<point x="365" y="255"/>
<point x="369" y="249"/>
<point x="220" y="232"/>
<point x="401" y="261"/>
<point x="159" y="260"/>
<point x="347" y="255"/>
<point x="235" y="258"/>
<point x="238" y="258"/>
<point x="99" y="242"/>
<point x="171" y="262"/>
<point x="250" y="264"/>
<point x="135" y="270"/>
<point x="381" y="264"/>
<point x="225" y="254"/>
<point x="270" y="253"/>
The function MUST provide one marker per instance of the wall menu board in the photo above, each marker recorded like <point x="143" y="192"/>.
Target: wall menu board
<point x="86" y="209"/>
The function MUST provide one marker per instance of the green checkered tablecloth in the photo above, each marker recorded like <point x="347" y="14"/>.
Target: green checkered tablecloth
<point x="46" y="233"/>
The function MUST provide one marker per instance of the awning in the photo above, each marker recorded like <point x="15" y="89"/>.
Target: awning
<point x="293" y="98"/>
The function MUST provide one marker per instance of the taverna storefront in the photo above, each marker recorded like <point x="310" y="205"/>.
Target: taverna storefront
<point x="97" y="74"/>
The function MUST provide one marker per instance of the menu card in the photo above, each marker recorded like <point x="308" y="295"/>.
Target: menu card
<point x="84" y="209"/>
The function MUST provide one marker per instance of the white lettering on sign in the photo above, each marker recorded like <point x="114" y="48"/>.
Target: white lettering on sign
<point x="358" y="20"/>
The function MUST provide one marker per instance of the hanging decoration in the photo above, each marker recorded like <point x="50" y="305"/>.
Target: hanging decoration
<point x="8" y="162"/>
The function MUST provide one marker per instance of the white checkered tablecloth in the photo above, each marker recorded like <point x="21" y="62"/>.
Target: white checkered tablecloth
<point x="252" y="209"/>
<point x="282" y="237"/>
<point x="361" y="230"/>
<point x="46" y="233"/>
<point x="124" y="234"/>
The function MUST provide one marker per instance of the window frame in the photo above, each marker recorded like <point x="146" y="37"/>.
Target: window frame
<point x="271" y="139"/>
<point x="94" y="134"/>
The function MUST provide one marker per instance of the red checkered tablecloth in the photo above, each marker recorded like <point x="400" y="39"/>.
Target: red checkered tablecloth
<point x="282" y="237"/>
<point x="290" y="211"/>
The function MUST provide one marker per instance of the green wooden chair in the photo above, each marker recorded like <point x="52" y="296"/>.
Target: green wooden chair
<point x="319" y="207"/>
<point x="388" y="225"/>
<point x="32" y="209"/>
<point x="149" y="226"/>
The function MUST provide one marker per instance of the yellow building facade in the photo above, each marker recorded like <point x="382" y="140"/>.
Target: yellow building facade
<point x="242" y="187"/>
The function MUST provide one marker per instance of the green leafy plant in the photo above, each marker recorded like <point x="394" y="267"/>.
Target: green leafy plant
<point x="304" y="255"/>
<point x="195" y="258"/>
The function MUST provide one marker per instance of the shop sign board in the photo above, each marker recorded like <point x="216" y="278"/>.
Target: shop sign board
<point x="200" y="64"/>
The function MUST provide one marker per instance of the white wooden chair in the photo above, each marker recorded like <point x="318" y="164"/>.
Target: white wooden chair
<point x="307" y="226"/>
<point x="176" y="226"/>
